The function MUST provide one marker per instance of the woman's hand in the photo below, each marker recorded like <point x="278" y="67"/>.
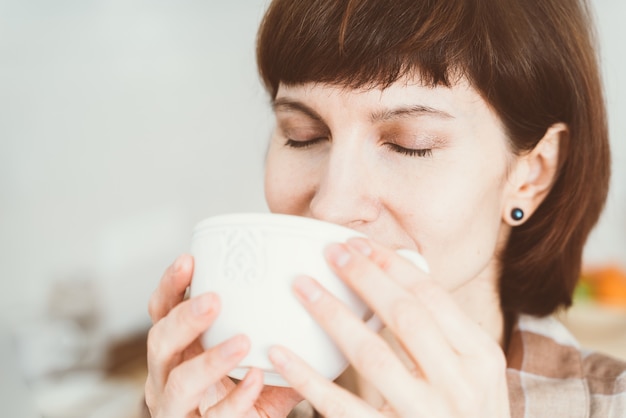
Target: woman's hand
<point x="456" y="369"/>
<point x="184" y="380"/>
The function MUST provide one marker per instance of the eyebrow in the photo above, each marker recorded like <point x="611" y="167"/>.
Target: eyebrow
<point x="290" y="105"/>
<point x="287" y="104"/>
<point x="407" y="112"/>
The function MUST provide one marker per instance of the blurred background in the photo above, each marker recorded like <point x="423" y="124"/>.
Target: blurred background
<point x="122" y="124"/>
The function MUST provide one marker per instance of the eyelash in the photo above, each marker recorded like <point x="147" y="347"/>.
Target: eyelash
<point x="410" y="152"/>
<point x="303" y="144"/>
<point x="426" y="152"/>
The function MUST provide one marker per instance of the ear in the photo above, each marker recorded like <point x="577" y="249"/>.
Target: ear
<point x="532" y="176"/>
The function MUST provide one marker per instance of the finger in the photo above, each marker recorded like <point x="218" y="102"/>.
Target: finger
<point x="171" y="288"/>
<point x="399" y="267"/>
<point x="189" y="381"/>
<point x="464" y="334"/>
<point x="241" y="400"/>
<point x="368" y="353"/>
<point x="411" y="324"/>
<point x="326" y="397"/>
<point x="169" y="337"/>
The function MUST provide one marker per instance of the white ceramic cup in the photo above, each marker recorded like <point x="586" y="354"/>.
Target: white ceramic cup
<point x="250" y="260"/>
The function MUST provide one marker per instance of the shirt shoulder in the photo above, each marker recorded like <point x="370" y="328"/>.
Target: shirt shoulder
<point x="549" y="374"/>
<point x="606" y="382"/>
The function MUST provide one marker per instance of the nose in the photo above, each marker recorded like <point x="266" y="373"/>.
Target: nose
<point x="346" y="190"/>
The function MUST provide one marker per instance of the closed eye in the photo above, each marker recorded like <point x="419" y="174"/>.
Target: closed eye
<point x="292" y="143"/>
<point x="425" y="152"/>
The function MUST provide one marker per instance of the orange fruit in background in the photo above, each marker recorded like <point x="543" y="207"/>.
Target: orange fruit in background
<point x="608" y="285"/>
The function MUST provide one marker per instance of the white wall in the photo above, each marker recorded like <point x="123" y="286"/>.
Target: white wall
<point x="608" y="242"/>
<point x="124" y="122"/>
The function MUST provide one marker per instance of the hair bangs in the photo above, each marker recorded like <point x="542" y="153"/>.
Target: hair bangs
<point x="364" y="44"/>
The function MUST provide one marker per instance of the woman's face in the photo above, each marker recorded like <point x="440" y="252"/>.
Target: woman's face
<point x="411" y="166"/>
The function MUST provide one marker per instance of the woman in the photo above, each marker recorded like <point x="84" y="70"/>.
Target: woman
<point x="472" y="132"/>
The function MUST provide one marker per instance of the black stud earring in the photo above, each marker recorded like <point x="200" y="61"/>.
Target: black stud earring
<point x="517" y="214"/>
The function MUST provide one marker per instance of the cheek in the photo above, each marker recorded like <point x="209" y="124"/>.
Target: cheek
<point x="460" y="225"/>
<point x="277" y="189"/>
<point x="287" y="189"/>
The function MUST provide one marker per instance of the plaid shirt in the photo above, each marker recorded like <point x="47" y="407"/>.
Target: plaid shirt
<point x="550" y="376"/>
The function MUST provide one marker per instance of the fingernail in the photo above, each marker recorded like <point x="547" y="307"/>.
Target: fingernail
<point x="279" y="357"/>
<point x="233" y="347"/>
<point x="307" y="288"/>
<point x="178" y="264"/>
<point x="338" y="254"/>
<point x="361" y="245"/>
<point x="201" y="304"/>
<point x="250" y="379"/>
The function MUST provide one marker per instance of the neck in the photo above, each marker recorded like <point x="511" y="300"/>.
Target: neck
<point x="480" y="300"/>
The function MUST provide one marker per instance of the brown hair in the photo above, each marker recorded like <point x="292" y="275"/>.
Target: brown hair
<point x="533" y="61"/>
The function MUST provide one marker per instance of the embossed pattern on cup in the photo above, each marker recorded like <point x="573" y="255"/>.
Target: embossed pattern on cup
<point x="244" y="256"/>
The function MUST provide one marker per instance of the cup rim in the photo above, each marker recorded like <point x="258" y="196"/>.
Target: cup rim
<point x="273" y="220"/>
